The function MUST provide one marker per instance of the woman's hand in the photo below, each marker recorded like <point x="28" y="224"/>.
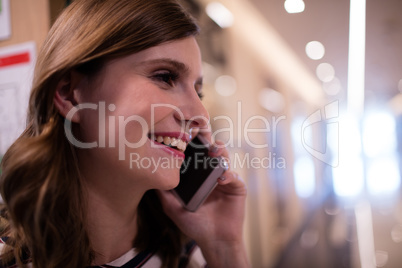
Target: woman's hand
<point x="217" y="226"/>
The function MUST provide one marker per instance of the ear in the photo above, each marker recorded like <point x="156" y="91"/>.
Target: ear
<point x="66" y="96"/>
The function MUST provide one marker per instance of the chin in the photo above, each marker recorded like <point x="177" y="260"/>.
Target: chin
<point x="169" y="180"/>
<point x="172" y="185"/>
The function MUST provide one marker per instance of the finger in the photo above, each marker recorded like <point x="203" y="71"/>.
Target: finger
<point x="206" y="132"/>
<point x="218" y="149"/>
<point x="232" y="184"/>
<point x="228" y="177"/>
<point x="231" y="178"/>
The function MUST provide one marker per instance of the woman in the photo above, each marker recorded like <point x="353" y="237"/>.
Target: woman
<point x="115" y="82"/>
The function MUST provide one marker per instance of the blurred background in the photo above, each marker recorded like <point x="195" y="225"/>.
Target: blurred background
<point x="307" y="96"/>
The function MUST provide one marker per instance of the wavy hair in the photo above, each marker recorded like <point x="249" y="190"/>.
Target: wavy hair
<point x="44" y="209"/>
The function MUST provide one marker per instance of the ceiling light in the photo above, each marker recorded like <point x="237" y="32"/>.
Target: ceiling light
<point x="220" y="14"/>
<point x="225" y="85"/>
<point x="315" y="50"/>
<point x="356" y="62"/>
<point x="325" y="72"/>
<point x="271" y="100"/>
<point x="294" y="6"/>
<point x="332" y="87"/>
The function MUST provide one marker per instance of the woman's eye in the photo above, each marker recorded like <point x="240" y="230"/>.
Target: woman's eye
<point x="200" y="95"/>
<point x="167" y="77"/>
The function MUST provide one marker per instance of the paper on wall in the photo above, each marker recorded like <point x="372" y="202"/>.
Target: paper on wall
<point x="16" y="72"/>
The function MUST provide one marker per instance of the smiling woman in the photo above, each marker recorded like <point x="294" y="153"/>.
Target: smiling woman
<point x="115" y="80"/>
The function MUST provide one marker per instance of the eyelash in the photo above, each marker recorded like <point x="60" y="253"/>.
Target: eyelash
<point x="200" y="95"/>
<point x="170" y="78"/>
<point x="167" y="77"/>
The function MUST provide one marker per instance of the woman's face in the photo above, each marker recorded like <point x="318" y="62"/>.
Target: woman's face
<point x="139" y="104"/>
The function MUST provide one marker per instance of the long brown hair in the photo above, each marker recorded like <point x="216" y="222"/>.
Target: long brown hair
<point x="40" y="181"/>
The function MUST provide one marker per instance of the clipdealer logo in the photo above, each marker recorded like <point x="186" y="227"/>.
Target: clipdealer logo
<point x="330" y="114"/>
<point x="112" y="129"/>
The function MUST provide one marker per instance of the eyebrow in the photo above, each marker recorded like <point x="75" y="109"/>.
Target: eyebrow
<point x="179" y="66"/>
<point x="176" y="64"/>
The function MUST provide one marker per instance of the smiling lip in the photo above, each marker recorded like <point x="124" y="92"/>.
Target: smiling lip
<point x="169" y="150"/>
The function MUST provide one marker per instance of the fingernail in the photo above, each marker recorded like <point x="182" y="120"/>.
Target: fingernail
<point x="213" y="148"/>
<point x="222" y="178"/>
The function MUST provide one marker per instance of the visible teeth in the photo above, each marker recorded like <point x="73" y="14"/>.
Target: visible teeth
<point x="166" y="140"/>
<point x="174" y="142"/>
<point x="178" y="143"/>
<point x="182" y="145"/>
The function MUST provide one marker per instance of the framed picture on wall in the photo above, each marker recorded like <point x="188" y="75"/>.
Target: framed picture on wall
<point x="5" y="20"/>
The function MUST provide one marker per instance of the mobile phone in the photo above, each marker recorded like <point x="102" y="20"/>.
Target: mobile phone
<point x="198" y="174"/>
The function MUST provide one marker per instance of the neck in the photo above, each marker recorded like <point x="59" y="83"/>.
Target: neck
<point x="112" y="203"/>
<point x="111" y="229"/>
<point x="111" y="216"/>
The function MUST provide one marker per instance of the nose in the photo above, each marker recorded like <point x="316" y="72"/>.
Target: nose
<point x="193" y="113"/>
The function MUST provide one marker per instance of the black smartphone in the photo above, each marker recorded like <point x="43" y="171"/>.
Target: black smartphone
<point x="198" y="174"/>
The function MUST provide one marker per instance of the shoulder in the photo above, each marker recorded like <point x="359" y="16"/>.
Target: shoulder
<point x="192" y="256"/>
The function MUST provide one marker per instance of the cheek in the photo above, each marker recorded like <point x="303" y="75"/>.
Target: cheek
<point x="124" y="113"/>
<point x="130" y="132"/>
<point x="89" y="125"/>
<point x="128" y="124"/>
<point x="111" y="129"/>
